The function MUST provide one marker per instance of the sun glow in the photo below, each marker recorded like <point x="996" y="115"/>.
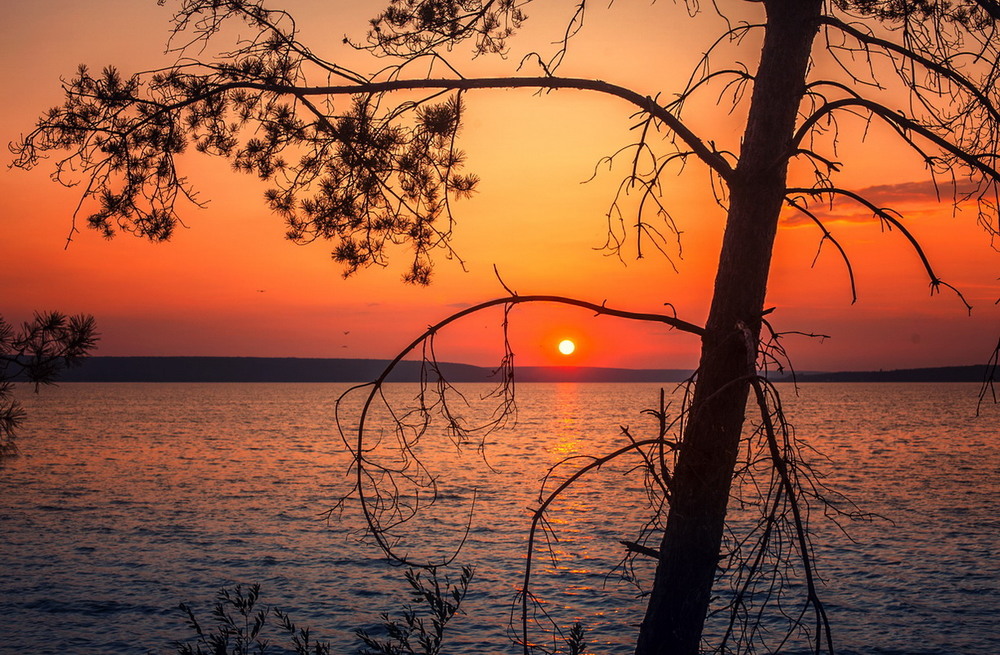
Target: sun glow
<point x="567" y="347"/>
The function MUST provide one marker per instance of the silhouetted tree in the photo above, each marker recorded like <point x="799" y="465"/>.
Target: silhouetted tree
<point x="371" y="160"/>
<point x="36" y="353"/>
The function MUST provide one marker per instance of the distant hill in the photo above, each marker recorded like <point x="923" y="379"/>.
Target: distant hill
<point x="251" y="369"/>
<point x="940" y="374"/>
<point x="293" y="369"/>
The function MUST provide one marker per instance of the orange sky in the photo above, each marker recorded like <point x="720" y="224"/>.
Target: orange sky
<point x="231" y="285"/>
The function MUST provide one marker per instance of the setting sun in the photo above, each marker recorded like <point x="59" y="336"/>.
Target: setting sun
<point x="567" y="347"/>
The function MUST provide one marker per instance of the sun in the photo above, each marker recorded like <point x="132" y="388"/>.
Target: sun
<point x="567" y="347"/>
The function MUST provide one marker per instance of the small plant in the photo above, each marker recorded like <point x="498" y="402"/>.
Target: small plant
<point x="411" y="635"/>
<point x="575" y="641"/>
<point x="239" y="628"/>
<point x="240" y="625"/>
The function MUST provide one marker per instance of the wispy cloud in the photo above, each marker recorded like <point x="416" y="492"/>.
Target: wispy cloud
<point x="909" y="199"/>
<point x="916" y="192"/>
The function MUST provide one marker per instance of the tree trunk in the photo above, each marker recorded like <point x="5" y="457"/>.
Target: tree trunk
<point x="690" y="550"/>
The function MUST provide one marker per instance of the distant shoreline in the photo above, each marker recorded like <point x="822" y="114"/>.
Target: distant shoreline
<point x="292" y="369"/>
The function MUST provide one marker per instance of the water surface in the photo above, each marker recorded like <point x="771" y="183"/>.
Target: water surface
<point x="129" y="499"/>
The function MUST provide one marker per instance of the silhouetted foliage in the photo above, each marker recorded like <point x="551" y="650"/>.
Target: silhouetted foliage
<point x="416" y="632"/>
<point x="241" y="627"/>
<point x="36" y="353"/>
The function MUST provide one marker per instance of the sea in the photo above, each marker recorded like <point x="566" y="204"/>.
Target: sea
<point x="127" y="500"/>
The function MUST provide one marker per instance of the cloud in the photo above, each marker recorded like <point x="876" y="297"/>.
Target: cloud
<point x="915" y="192"/>
<point x="909" y="199"/>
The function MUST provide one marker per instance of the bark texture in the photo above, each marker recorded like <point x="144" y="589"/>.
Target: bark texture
<point x="690" y="550"/>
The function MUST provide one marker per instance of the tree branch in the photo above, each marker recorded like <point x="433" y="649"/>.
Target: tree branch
<point x="944" y="71"/>
<point x="709" y="156"/>
<point x="827" y="236"/>
<point x="893" y="221"/>
<point x="904" y="124"/>
<point x="358" y="447"/>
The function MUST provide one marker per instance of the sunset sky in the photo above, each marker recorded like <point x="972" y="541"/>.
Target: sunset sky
<point x="230" y="284"/>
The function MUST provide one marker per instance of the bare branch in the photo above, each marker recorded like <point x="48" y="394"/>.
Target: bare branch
<point x="976" y="162"/>
<point x="887" y="216"/>
<point x="946" y="72"/>
<point x="827" y="236"/>
<point x="374" y="507"/>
